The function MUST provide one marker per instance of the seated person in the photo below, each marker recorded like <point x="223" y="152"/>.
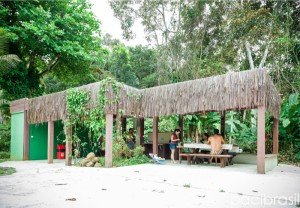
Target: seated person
<point x="130" y="139"/>
<point x="205" y="138"/>
<point x="216" y="142"/>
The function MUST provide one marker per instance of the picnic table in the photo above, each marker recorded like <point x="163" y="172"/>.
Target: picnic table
<point x="224" y="158"/>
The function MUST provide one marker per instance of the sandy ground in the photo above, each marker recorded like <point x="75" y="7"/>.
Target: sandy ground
<point x="38" y="184"/>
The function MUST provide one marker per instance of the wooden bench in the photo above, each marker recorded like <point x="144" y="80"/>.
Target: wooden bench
<point x="223" y="158"/>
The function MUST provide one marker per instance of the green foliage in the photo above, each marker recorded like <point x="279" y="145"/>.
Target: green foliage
<point x="123" y="156"/>
<point x="4" y="139"/>
<point x="7" y="171"/>
<point x="120" y="65"/>
<point x="138" y="151"/>
<point x="144" y="64"/>
<point x="88" y="124"/>
<point x="246" y="138"/>
<point x="4" y="155"/>
<point x="289" y="132"/>
<point x="41" y="33"/>
<point x="135" y="66"/>
<point x="7" y="61"/>
<point x="290" y="120"/>
<point x="119" y="162"/>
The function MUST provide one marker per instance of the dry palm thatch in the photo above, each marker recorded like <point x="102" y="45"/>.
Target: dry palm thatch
<point x="53" y="106"/>
<point x="240" y="90"/>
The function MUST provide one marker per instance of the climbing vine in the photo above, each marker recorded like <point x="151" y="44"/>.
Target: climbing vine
<point x="88" y="121"/>
<point x="83" y="119"/>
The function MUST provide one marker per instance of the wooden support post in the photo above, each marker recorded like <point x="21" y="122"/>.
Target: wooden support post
<point x="26" y="137"/>
<point x="123" y="121"/>
<point x="223" y="116"/>
<point x="139" y="131"/>
<point x="142" y="129"/>
<point x="275" y="136"/>
<point x="261" y="140"/>
<point x="180" y="124"/>
<point x="155" y="135"/>
<point x="108" y="140"/>
<point x="68" y="160"/>
<point x="50" y="140"/>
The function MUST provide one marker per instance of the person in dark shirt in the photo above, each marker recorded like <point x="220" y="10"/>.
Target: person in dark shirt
<point x="174" y="142"/>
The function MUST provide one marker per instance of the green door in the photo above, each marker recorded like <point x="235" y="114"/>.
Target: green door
<point x="38" y="141"/>
<point x="17" y="133"/>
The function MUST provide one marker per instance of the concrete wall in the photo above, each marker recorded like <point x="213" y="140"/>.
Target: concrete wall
<point x="271" y="161"/>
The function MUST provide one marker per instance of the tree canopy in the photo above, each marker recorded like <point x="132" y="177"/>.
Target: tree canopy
<point x="61" y="38"/>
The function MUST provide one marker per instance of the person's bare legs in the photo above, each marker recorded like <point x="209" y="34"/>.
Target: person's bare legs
<point x="172" y="155"/>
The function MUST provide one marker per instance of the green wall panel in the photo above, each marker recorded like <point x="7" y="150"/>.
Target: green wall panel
<point x="17" y="133"/>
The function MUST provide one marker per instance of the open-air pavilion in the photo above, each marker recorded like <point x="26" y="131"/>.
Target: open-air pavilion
<point x="251" y="89"/>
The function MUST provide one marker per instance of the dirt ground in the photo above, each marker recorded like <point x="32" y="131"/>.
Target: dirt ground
<point x="38" y="184"/>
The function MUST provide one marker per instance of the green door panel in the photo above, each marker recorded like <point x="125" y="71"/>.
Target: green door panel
<point x="38" y="140"/>
<point x="17" y="133"/>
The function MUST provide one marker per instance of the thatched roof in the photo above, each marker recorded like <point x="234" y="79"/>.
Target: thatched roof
<point x="54" y="105"/>
<point x="239" y="90"/>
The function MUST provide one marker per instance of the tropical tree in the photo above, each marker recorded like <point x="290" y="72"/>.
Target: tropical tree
<point x="59" y="38"/>
<point x="7" y="61"/>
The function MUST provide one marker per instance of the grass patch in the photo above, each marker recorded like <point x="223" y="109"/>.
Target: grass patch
<point x="297" y="164"/>
<point x="131" y="161"/>
<point x="7" y="171"/>
<point x="187" y="185"/>
<point x="3" y="160"/>
<point x="119" y="162"/>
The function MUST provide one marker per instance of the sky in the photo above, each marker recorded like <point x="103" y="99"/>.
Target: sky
<point x="111" y="25"/>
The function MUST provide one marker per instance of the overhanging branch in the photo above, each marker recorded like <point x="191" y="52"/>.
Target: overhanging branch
<point x="51" y="65"/>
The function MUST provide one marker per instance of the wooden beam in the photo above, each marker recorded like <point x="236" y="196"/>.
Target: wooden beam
<point x="261" y="140"/>
<point x="155" y="135"/>
<point x="180" y="124"/>
<point x="223" y="116"/>
<point x="50" y="141"/>
<point x="108" y="140"/>
<point x="275" y="136"/>
<point x="68" y="160"/>
<point x="26" y="137"/>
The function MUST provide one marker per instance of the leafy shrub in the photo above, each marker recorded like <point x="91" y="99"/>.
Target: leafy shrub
<point x="130" y="161"/>
<point x="4" y="137"/>
<point x="246" y="139"/>
<point x="138" y="151"/>
<point x="123" y="156"/>
<point x="7" y="171"/>
<point x="289" y="131"/>
<point x="4" y="155"/>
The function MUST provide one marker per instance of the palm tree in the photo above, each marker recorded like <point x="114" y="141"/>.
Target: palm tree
<point x="7" y="61"/>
